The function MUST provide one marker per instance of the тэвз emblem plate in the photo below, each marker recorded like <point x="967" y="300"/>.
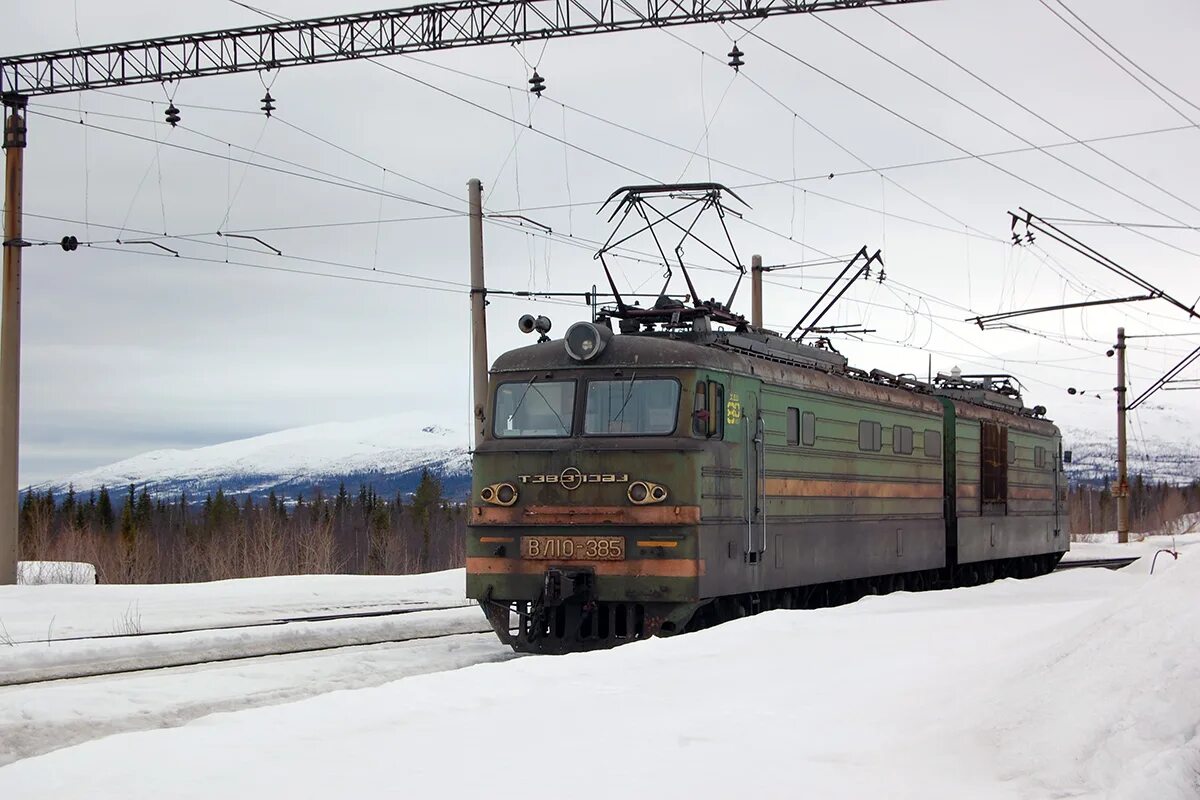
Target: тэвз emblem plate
<point x="571" y="478"/>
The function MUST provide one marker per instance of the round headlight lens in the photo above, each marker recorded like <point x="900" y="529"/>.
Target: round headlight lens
<point x="585" y="341"/>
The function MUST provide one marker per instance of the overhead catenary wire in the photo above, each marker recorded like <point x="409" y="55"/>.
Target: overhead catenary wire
<point x="956" y="146"/>
<point x="1134" y="173"/>
<point x="1109" y="56"/>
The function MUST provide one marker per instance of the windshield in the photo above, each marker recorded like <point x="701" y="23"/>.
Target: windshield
<point x="638" y="406"/>
<point x="530" y="408"/>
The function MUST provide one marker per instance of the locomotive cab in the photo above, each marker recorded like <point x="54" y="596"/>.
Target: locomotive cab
<point x="586" y="490"/>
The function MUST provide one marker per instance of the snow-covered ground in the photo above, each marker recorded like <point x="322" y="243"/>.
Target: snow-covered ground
<point x="1084" y="683"/>
<point x="50" y="632"/>
<point x="38" y="613"/>
<point x="1105" y="545"/>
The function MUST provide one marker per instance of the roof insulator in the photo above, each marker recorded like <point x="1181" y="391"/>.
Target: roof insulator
<point x="735" y="58"/>
<point x="268" y="103"/>
<point x="537" y="84"/>
<point x="172" y="115"/>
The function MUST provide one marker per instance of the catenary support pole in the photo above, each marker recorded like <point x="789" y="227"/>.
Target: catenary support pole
<point x="10" y="335"/>
<point x="479" y="358"/>
<point x="756" y="275"/>
<point x="1122" y="491"/>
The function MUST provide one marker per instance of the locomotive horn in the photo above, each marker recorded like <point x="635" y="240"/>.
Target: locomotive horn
<point x="526" y="323"/>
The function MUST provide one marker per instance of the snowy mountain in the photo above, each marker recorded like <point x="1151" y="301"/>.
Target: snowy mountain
<point x="1161" y="448"/>
<point x="387" y="453"/>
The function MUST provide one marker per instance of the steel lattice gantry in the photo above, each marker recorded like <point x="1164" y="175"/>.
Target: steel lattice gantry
<point x="433" y="26"/>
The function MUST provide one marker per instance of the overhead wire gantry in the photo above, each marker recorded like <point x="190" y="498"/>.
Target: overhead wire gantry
<point x="343" y="37"/>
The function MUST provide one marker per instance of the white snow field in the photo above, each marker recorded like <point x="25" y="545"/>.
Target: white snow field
<point x="38" y="613"/>
<point x="46" y="632"/>
<point x="1083" y="683"/>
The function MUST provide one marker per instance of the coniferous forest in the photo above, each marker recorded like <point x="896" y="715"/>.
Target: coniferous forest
<point x="133" y="537"/>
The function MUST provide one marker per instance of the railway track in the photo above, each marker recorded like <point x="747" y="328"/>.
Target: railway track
<point x="1104" y="563"/>
<point x="266" y="623"/>
<point x="178" y="648"/>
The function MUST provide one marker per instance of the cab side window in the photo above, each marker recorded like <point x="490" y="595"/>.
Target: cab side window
<point x="700" y="410"/>
<point x="708" y="410"/>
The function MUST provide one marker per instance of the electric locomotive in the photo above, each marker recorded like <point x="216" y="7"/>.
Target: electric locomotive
<point x="688" y="468"/>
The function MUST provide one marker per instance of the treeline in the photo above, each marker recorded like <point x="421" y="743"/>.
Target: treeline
<point x="133" y="537"/>
<point x="1153" y="507"/>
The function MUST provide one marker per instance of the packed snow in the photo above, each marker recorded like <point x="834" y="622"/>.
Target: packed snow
<point x="69" y="631"/>
<point x="39" y="718"/>
<point x="1083" y="683"/>
<point x="41" y="613"/>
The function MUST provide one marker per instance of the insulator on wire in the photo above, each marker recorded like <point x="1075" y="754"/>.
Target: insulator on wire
<point x="172" y="115"/>
<point x="268" y="103"/>
<point x="537" y="84"/>
<point x="735" y="58"/>
<point x="69" y="243"/>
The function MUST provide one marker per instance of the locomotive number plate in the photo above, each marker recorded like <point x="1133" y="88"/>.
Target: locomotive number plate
<point x="573" y="548"/>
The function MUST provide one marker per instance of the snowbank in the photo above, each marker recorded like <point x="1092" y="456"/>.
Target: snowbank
<point x="37" y="573"/>
<point x="1084" y="683"/>
<point x="1105" y="545"/>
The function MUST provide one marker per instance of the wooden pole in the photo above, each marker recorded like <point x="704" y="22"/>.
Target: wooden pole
<point x="756" y="305"/>
<point x="479" y="358"/>
<point x="10" y="335"/>
<point x="1122" y="492"/>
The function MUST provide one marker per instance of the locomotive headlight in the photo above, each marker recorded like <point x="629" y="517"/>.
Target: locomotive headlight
<point x="499" y="494"/>
<point x="644" y="493"/>
<point x="584" y="340"/>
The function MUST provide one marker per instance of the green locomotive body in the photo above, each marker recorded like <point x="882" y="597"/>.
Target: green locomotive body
<point x="662" y="482"/>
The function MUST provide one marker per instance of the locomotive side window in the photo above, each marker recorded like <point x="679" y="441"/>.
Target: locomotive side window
<point x="870" y="436"/>
<point x="1039" y="457"/>
<point x="902" y="440"/>
<point x="716" y="405"/>
<point x="933" y="444"/>
<point x="640" y="406"/>
<point x="1012" y="452"/>
<point x="793" y="426"/>
<point x="808" y="428"/>
<point x="700" y="410"/>
<point x="529" y="408"/>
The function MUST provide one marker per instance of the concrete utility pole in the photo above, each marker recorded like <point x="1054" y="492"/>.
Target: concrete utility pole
<point x="1122" y="491"/>
<point x="479" y="357"/>
<point x="10" y="335"/>
<point x="756" y="309"/>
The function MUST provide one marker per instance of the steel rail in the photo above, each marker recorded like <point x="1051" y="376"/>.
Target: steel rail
<point x="266" y="623"/>
<point x="1106" y="563"/>
<point x="103" y="671"/>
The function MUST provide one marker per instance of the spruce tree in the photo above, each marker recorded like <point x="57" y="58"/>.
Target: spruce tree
<point x="104" y="510"/>
<point x="144" y="510"/>
<point x="128" y="524"/>
<point x="426" y="500"/>
<point x="68" y="505"/>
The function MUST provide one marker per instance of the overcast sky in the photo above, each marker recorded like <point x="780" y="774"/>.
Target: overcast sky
<point x="126" y="349"/>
